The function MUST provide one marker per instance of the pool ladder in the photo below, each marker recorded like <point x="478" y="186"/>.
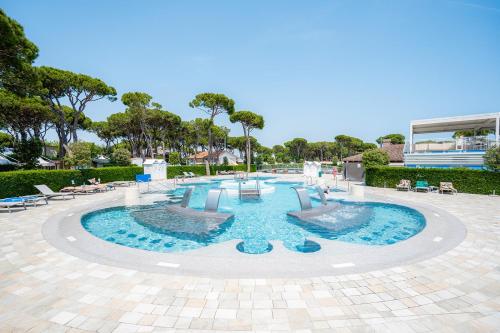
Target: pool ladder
<point x="249" y="192"/>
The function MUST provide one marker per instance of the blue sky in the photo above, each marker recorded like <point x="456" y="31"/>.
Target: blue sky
<point x="313" y="69"/>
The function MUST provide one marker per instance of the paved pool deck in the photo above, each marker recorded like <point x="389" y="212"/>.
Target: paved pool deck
<point x="43" y="288"/>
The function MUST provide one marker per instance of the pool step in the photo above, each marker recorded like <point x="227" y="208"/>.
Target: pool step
<point x="250" y="192"/>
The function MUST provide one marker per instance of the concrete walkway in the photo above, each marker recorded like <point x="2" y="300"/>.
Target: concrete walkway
<point x="45" y="290"/>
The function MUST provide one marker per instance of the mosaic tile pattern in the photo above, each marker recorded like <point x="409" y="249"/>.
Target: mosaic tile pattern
<point x="45" y="290"/>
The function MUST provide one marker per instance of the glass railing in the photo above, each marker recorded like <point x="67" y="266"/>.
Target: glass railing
<point x="469" y="144"/>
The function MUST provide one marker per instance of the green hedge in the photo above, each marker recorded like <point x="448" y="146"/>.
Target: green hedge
<point x="464" y="180"/>
<point x="15" y="183"/>
<point x="177" y="170"/>
<point x="110" y="174"/>
<point x="239" y="167"/>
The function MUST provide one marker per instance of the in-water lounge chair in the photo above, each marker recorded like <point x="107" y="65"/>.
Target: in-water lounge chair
<point x="404" y="185"/>
<point x="47" y="192"/>
<point x="447" y="187"/>
<point x="422" y="186"/>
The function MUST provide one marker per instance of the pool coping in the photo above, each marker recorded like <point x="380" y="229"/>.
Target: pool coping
<point x="442" y="233"/>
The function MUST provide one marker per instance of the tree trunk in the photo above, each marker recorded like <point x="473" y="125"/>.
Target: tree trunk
<point x="209" y="145"/>
<point x="63" y="141"/>
<point x="248" y="154"/>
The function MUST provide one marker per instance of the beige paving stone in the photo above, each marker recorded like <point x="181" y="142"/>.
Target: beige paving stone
<point x="43" y="289"/>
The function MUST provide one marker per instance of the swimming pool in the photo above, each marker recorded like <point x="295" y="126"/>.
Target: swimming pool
<point x="255" y="223"/>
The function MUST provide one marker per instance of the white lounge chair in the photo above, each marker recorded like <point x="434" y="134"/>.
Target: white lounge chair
<point x="34" y="199"/>
<point x="447" y="187"/>
<point x="404" y="185"/>
<point x="46" y="191"/>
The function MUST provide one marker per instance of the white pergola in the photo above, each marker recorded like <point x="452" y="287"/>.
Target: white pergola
<point x="490" y="121"/>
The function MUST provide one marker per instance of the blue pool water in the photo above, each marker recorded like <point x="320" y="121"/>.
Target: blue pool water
<point x="258" y="221"/>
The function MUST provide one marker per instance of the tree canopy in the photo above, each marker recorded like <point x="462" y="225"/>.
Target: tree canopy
<point x="78" y="89"/>
<point x="492" y="159"/>
<point x="212" y="104"/>
<point x="249" y="121"/>
<point x="17" y="53"/>
<point x="375" y="157"/>
<point x="395" y="139"/>
<point x="37" y="100"/>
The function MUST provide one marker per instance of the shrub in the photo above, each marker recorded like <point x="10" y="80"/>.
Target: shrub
<point x="375" y="157"/>
<point x="79" y="155"/>
<point x="16" y="183"/>
<point x="492" y="159"/>
<point x="464" y="180"/>
<point x="174" y="158"/>
<point x="110" y="174"/>
<point x="6" y="141"/>
<point x="121" y="157"/>
<point x="28" y="152"/>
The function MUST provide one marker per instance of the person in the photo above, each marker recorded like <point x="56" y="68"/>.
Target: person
<point x="334" y="173"/>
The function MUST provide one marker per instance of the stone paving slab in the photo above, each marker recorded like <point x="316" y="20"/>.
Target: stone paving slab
<point x="43" y="289"/>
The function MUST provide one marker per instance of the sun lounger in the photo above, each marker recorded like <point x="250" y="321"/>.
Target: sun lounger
<point x="84" y="189"/>
<point x="422" y="186"/>
<point x="34" y="199"/>
<point x="47" y="192"/>
<point x="22" y="201"/>
<point x="120" y="183"/>
<point x="187" y="175"/>
<point x="101" y="187"/>
<point x="404" y="185"/>
<point x="447" y="187"/>
<point x="12" y="202"/>
<point x="191" y="174"/>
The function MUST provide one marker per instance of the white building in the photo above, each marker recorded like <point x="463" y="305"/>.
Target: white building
<point x="462" y="151"/>
<point x="218" y="157"/>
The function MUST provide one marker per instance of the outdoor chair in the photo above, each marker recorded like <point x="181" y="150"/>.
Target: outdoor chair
<point x="83" y="189"/>
<point x="21" y="201"/>
<point x="12" y="202"/>
<point x="34" y="199"/>
<point x="47" y="192"/>
<point x="404" y="185"/>
<point x="447" y="187"/>
<point x="422" y="186"/>
<point x="120" y="183"/>
<point x="100" y="187"/>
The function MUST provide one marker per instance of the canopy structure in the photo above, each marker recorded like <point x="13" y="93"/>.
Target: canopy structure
<point x="487" y="121"/>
